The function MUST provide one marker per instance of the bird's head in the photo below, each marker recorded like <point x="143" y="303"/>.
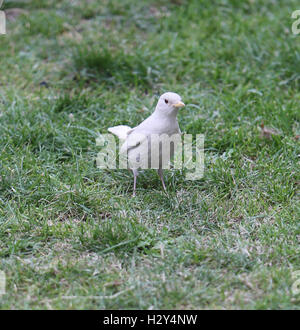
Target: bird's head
<point x="169" y="103"/>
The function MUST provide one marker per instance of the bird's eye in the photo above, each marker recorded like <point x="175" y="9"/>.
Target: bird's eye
<point x="166" y="101"/>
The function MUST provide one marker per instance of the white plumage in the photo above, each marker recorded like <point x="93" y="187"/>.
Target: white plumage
<point x="137" y="140"/>
<point x="120" y="131"/>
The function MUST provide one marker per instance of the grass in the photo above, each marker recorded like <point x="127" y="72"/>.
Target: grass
<point x="227" y="241"/>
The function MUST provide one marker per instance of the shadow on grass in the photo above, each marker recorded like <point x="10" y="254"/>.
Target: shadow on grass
<point x="114" y="67"/>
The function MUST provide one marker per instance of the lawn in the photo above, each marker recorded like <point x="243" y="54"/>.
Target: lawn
<point x="71" y="235"/>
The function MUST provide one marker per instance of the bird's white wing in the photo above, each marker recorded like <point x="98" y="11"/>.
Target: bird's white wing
<point x="120" y="131"/>
<point x="135" y="149"/>
<point x="133" y="140"/>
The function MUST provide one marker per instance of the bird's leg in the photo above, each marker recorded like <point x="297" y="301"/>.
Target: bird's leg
<point x="160" y="173"/>
<point x="135" y="174"/>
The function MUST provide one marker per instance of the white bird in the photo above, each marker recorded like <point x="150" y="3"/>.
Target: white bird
<point x="137" y="140"/>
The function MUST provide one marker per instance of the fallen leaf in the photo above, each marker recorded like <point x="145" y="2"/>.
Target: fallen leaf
<point x="267" y="132"/>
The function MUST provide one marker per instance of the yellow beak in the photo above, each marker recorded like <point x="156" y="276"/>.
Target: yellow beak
<point x="179" y="104"/>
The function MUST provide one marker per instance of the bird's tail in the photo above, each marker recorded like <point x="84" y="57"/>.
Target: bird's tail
<point x="120" y="131"/>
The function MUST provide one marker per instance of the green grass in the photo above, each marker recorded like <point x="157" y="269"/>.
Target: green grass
<point x="227" y="241"/>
